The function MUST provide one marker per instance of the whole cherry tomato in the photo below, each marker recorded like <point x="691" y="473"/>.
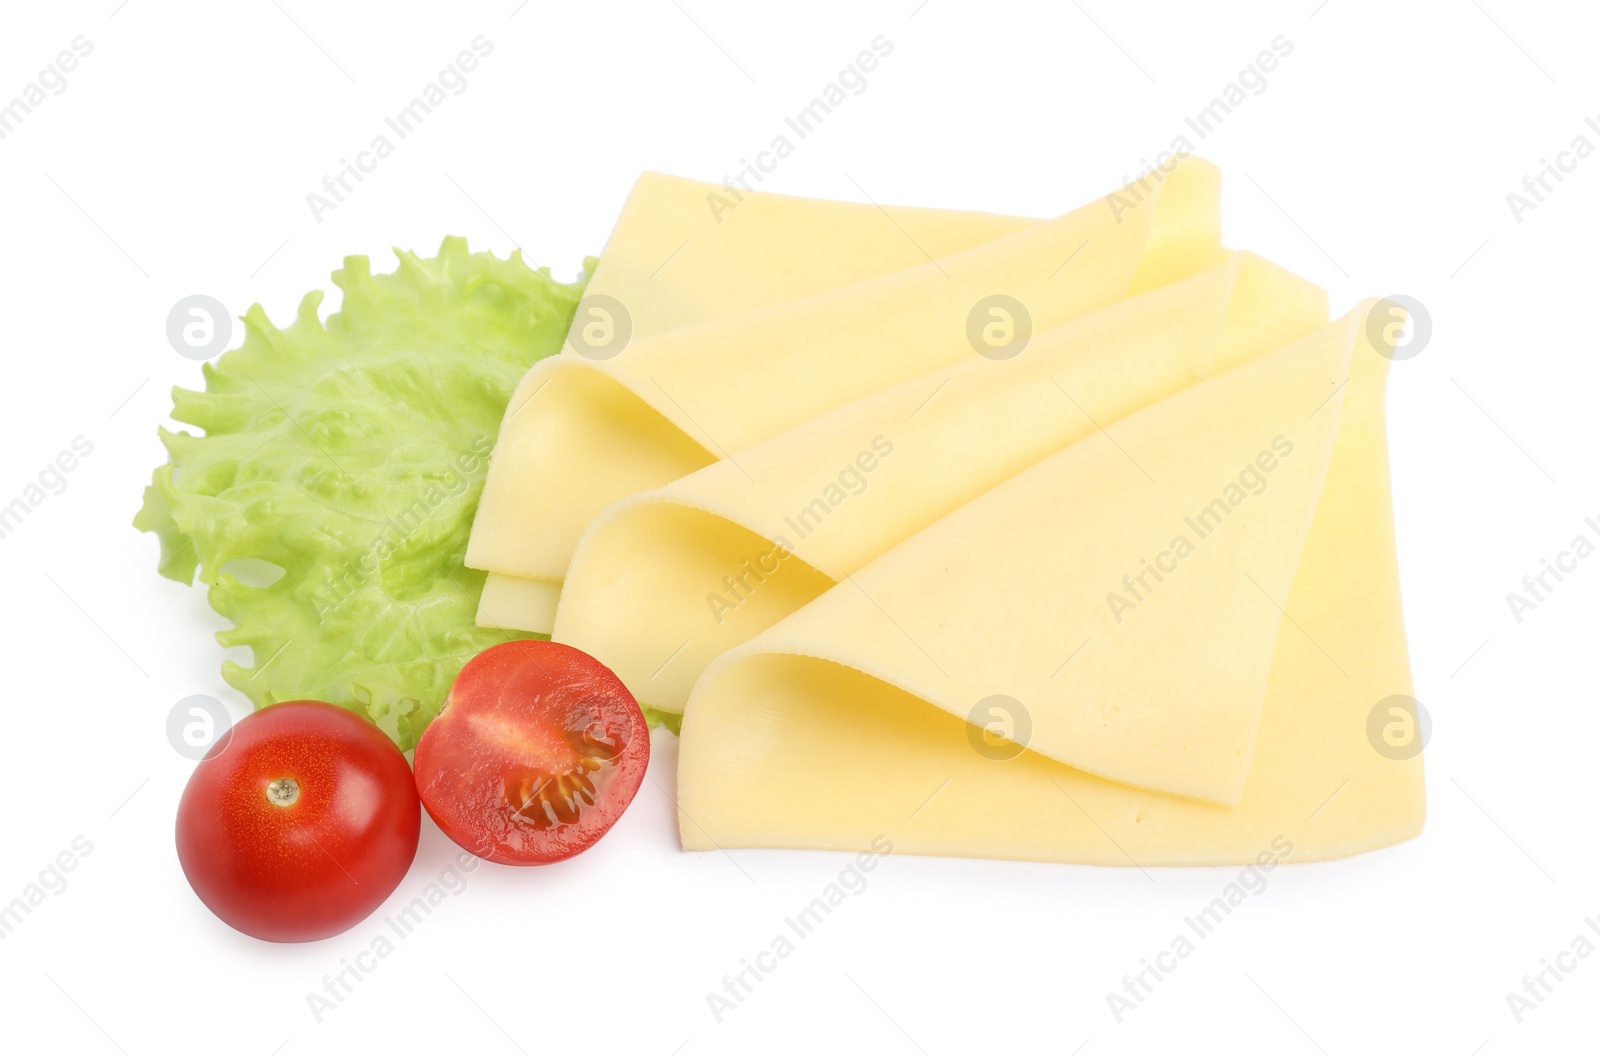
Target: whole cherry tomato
<point x="299" y="822"/>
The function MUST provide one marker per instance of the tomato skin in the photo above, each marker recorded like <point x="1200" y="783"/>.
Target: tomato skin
<point x="523" y="718"/>
<point x="315" y="868"/>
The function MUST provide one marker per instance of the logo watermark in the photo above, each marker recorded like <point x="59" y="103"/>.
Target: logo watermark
<point x="1538" y="586"/>
<point x="739" y="586"/>
<point x="1537" y="986"/>
<point x="1399" y="327"/>
<point x="51" y="81"/>
<point x="195" y="723"/>
<point x="1138" y="586"/>
<point x="199" y="327"/>
<point x="799" y="926"/>
<point x="1399" y="727"/>
<point x="601" y="327"/>
<point x="850" y="481"/>
<point x="852" y="81"/>
<point x="999" y="727"/>
<point x="1153" y="970"/>
<point x="51" y="481"/>
<point x="452" y="80"/>
<point x="999" y="327"/>
<point x="1537" y="186"/>
<point x="397" y="927"/>
<point x="51" y="881"/>
<point x="1252" y="81"/>
<point x="353" y="572"/>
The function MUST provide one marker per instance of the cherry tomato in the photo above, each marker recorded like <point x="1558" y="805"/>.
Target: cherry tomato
<point x="538" y="750"/>
<point x="299" y="822"/>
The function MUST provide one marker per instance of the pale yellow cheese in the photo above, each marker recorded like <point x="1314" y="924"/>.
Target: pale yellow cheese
<point x="847" y="722"/>
<point x="581" y="433"/>
<point x="675" y="261"/>
<point x="517" y="603"/>
<point x="666" y="581"/>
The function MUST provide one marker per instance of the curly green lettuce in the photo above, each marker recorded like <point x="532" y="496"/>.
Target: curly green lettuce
<point x="350" y="454"/>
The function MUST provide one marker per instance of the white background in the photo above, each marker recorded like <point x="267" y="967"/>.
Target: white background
<point x="1377" y="161"/>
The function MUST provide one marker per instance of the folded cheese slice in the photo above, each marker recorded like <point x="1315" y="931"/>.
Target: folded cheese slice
<point x="848" y="722"/>
<point x="582" y="432"/>
<point x="678" y="257"/>
<point x="666" y="581"/>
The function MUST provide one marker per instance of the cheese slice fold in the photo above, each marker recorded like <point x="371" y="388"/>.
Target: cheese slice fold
<point x="666" y="581"/>
<point x="582" y="432"/>
<point x="1239" y="728"/>
<point x="678" y="256"/>
<point x="676" y="259"/>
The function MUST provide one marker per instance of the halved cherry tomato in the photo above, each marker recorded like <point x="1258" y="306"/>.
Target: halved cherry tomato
<point x="299" y="822"/>
<point x="538" y="750"/>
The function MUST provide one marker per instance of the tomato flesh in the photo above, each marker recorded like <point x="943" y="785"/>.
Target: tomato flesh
<point x="299" y="822"/>
<point x="537" y="752"/>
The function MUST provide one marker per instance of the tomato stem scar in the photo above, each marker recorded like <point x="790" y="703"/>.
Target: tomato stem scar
<point x="283" y="792"/>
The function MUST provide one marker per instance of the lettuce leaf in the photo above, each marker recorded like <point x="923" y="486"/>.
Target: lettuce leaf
<point x="350" y="455"/>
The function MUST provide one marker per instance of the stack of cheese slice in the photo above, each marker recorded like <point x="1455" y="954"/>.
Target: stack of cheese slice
<point x="696" y="384"/>
<point x="1125" y="596"/>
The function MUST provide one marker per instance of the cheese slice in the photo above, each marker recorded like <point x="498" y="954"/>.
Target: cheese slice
<point x="581" y="433"/>
<point x="674" y="260"/>
<point x="847" y="722"/>
<point x="666" y="581"/>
